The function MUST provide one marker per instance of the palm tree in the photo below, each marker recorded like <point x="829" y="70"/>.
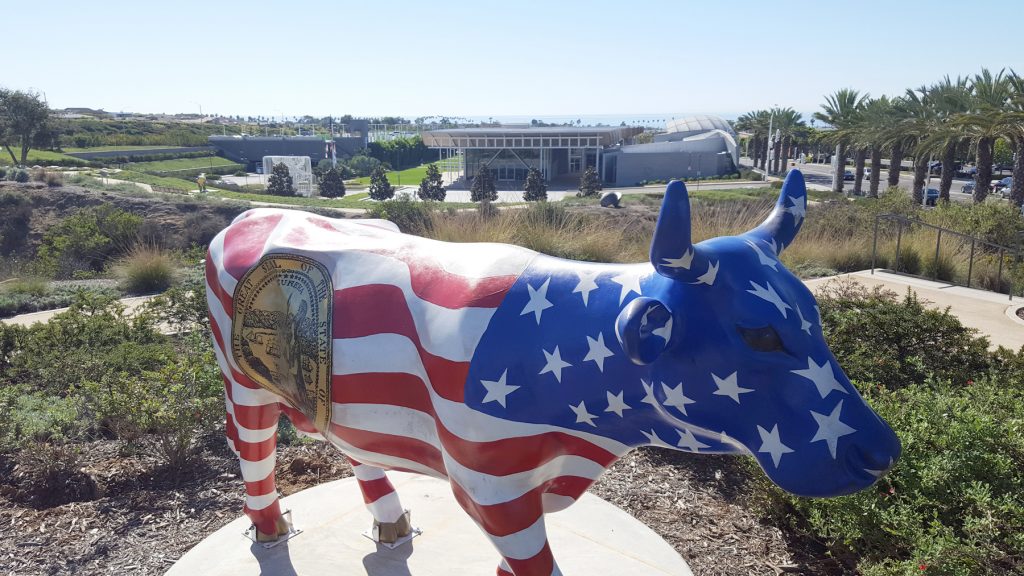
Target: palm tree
<point x="1012" y="128"/>
<point x="789" y="123"/>
<point x="915" y="128"/>
<point x="876" y="120"/>
<point x="948" y="98"/>
<point x="990" y="94"/>
<point x="839" y="111"/>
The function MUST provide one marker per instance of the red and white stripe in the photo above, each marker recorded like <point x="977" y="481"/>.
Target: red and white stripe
<point x="408" y="314"/>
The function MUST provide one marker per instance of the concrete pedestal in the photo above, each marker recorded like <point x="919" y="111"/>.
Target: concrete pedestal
<point x="590" y="537"/>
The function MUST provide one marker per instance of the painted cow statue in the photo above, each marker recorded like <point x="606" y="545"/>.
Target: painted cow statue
<point x="519" y="377"/>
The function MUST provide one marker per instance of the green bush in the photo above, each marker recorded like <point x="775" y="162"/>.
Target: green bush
<point x="88" y="240"/>
<point x="37" y="417"/>
<point x="14" y="226"/>
<point x="21" y="176"/>
<point x="881" y="339"/>
<point x="953" y="505"/>
<point x="411" y="217"/>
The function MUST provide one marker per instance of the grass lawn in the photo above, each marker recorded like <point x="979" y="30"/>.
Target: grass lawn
<point x="174" y="183"/>
<point x="407" y="177"/>
<point x="349" y="201"/>
<point x="184" y="164"/>
<point x="118" y="148"/>
<point x="42" y="157"/>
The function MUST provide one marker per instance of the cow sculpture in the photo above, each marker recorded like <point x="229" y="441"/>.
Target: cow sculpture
<point x="520" y="377"/>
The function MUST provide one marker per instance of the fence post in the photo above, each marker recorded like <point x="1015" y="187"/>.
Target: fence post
<point x="899" y="239"/>
<point x="999" y="279"/>
<point x="970" y="264"/>
<point x="874" y="246"/>
<point x="938" y="240"/>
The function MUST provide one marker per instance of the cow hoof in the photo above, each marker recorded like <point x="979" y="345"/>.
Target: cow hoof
<point x="391" y="532"/>
<point x="283" y="528"/>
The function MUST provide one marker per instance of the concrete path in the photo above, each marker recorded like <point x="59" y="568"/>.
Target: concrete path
<point x="130" y="304"/>
<point x="589" y="537"/>
<point x="994" y="315"/>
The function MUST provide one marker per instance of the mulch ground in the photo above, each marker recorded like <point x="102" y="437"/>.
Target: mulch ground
<point x="132" y="517"/>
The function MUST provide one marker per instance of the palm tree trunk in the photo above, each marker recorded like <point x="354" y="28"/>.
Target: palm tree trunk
<point x="920" y="173"/>
<point x="876" y="171"/>
<point x="840" y="164"/>
<point x="948" y="156"/>
<point x="895" y="163"/>
<point x="1017" y="190"/>
<point x="785" y="153"/>
<point x="776" y="156"/>
<point x="858" y="172"/>
<point x="764" y="155"/>
<point x="983" y="179"/>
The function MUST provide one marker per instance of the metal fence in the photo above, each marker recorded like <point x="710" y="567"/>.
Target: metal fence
<point x="978" y="249"/>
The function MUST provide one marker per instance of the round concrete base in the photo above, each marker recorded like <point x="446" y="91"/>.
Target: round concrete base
<point x="589" y="537"/>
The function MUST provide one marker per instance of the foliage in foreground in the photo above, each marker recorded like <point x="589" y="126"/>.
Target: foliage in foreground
<point x="954" y="504"/>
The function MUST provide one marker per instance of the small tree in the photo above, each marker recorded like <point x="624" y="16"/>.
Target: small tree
<point x="380" y="188"/>
<point x="535" y="188"/>
<point x="432" y="187"/>
<point x="332" y="185"/>
<point x="483" y="189"/>
<point x="280" y="181"/>
<point x="590" y="185"/>
<point x="24" y="124"/>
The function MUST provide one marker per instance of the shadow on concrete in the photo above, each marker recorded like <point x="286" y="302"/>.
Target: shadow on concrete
<point x="276" y="561"/>
<point x="386" y="562"/>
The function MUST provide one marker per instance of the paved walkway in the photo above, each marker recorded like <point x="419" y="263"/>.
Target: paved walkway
<point x="130" y="305"/>
<point x="994" y="315"/>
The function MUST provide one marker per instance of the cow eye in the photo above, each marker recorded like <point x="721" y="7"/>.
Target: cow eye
<point x="764" y="339"/>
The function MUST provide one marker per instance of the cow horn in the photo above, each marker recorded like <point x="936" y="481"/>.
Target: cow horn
<point x="672" y="251"/>
<point x="782" y="225"/>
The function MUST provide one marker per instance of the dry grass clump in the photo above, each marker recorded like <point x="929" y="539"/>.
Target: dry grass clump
<point x="145" y="270"/>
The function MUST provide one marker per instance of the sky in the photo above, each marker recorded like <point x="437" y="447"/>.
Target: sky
<point x="523" y="59"/>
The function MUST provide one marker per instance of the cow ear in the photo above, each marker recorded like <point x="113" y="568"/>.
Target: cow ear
<point x="644" y="329"/>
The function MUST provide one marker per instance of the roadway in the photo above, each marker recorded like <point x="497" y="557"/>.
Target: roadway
<point x="821" y="175"/>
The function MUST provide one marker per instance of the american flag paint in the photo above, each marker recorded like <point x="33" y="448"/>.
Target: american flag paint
<point x="520" y="378"/>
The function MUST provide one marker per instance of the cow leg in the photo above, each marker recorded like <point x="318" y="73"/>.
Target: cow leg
<point x="252" y="435"/>
<point x="516" y="528"/>
<point x="390" y="521"/>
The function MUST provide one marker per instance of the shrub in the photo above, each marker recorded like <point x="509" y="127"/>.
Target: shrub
<point x="145" y="270"/>
<point x="410" y="217"/>
<point x="590" y="184"/>
<point x="21" y="176"/>
<point x="881" y="339"/>
<point x="39" y="175"/>
<point x="331" y="184"/>
<point x="380" y="187"/>
<point x="50" y="475"/>
<point x="280" y="181"/>
<point x="483" y="188"/>
<point x="432" y="186"/>
<point x="363" y="165"/>
<point x="534" y="189"/>
<point x="3" y="172"/>
<point x="54" y="179"/>
<point x="31" y="416"/>
<point x="88" y="240"/>
<point x="14" y="226"/>
<point x="200" y="229"/>
<point x="953" y="505"/>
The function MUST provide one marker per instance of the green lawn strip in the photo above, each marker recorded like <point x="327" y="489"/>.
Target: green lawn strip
<point x="183" y="164"/>
<point x="164" y="181"/>
<point x="41" y="157"/>
<point x="119" y="148"/>
<point x="407" y="177"/>
<point x="348" y="201"/>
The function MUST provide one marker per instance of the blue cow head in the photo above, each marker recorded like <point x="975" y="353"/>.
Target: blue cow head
<point x="730" y="323"/>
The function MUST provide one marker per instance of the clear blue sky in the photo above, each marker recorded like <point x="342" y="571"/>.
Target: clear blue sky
<point x="478" y="58"/>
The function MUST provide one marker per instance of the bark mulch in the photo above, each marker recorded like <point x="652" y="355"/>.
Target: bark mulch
<point x="129" y="516"/>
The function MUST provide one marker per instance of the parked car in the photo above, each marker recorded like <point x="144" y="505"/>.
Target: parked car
<point x="867" y="173"/>
<point x="967" y="188"/>
<point x="935" y="167"/>
<point x="1003" y="187"/>
<point x="847" y="175"/>
<point x="931" y="196"/>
